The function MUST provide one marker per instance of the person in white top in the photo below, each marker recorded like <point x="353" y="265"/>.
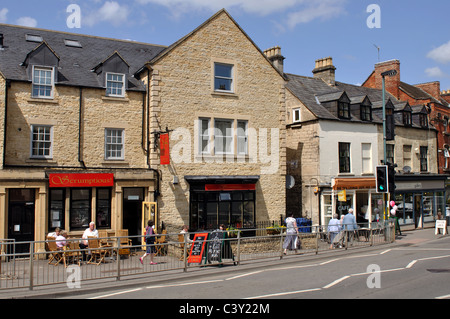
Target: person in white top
<point x="290" y="242"/>
<point x="89" y="232"/>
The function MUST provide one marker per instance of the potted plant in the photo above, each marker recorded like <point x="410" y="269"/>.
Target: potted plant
<point x="275" y="229"/>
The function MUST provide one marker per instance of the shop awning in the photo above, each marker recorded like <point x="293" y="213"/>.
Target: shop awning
<point x="354" y="183"/>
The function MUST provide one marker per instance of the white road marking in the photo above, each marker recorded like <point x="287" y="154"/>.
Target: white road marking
<point x="336" y="282"/>
<point x="284" y="293"/>
<point x="116" y="293"/>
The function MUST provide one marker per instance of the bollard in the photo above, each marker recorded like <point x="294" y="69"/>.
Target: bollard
<point x="31" y="265"/>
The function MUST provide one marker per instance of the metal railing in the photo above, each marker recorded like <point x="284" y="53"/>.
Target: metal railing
<point x="29" y="270"/>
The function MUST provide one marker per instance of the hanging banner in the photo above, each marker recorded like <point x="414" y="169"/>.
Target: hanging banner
<point x="342" y="196"/>
<point x="164" y="152"/>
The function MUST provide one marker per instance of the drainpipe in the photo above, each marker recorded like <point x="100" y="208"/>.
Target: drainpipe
<point x="156" y="192"/>
<point x="80" y="118"/>
<point x="5" y="120"/>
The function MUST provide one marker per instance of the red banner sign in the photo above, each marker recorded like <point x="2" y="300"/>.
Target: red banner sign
<point x="230" y="187"/>
<point x="164" y="151"/>
<point x="81" y="180"/>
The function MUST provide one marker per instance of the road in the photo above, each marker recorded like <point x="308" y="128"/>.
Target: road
<point x="417" y="271"/>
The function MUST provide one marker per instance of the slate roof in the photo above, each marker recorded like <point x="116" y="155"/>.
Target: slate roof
<point x="313" y="92"/>
<point x="75" y="63"/>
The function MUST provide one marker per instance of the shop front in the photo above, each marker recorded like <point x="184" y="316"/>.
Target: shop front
<point x="356" y="193"/>
<point x="419" y="199"/>
<point x="216" y="200"/>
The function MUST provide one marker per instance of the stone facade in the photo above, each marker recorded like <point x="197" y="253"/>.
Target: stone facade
<point x="181" y="91"/>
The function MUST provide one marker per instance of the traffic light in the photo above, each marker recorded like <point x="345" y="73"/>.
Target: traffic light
<point x="391" y="179"/>
<point x="382" y="179"/>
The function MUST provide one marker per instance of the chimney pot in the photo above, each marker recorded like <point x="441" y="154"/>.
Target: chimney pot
<point x="325" y="70"/>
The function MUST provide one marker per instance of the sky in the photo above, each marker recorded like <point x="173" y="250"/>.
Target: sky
<point x="355" y="33"/>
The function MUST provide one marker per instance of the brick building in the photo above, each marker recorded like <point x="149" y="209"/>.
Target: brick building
<point x="419" y="95"/>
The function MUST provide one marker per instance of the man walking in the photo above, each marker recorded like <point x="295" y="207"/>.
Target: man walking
<point x="349" y="224"/>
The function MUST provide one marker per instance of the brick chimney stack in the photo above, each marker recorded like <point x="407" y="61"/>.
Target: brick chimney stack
<point x="325" y="70"/>
<point x="446" y="95"/>
<point x="274" y="56"/>
<point x="392" y="83"/>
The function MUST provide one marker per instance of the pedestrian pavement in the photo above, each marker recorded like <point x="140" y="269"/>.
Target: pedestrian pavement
<point x="52" y="291"/>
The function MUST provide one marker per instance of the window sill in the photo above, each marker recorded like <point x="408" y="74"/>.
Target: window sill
<point x="115" y="98"/>
<point x="115" y="161"/>
<point x="42" y="100"/>
<point x="41" y="160"/>
<point x="231" y="158"/>
<point x="224" y="94"/>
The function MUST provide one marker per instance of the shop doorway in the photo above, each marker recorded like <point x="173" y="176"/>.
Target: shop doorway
<point x="21" y="213"/>
<point x="132" y="212"/>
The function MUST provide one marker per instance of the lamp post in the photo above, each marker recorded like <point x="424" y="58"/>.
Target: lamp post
<point x="383" y="75"/>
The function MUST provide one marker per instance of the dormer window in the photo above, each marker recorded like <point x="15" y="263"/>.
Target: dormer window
<point x="115" y="84"/>
<point x="366" y="113"/>
<point x="423" y="120"/>
<point x="407" y="118"/>
<point x="344" y="110"/>
<point x="43" y="82"/>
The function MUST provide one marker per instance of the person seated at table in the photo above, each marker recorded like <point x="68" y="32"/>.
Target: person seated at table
<point x="185" y="230"/>
<point x="55" y="233"/>
<point x="89" y="232"/>
<point x="61" y="240"/>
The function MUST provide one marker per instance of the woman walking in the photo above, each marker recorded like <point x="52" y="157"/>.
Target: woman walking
<point x="150" y="242"/>
<point x="290" y="242"/>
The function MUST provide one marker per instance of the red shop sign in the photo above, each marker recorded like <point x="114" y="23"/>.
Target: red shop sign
<point x="81" y="180"/>
<point x="230" y="187"/>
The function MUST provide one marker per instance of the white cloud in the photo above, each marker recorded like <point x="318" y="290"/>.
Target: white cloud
<point x="323" y="9"/>
<point x="111" y="12"/>
<point x="306" y="9"/>
<point x="435" y="72"/>
<point x="440" y="54"/>
<point x="27" y="22"/>
<point x="3" y="13"/>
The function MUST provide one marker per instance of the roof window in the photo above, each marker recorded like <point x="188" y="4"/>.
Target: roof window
<point x="33" y="38"/>
<point x="72" y="43"/>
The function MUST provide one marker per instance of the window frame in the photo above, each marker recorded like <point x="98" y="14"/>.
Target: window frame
<point x="344" y="161"/>
<point x="240" y="137"/>
<point x="366" y="113"/>
<point x="296" y="119"/>
<point x="108" y="93"/>
<point x="34" y="84"/>
<point x="33" y="141"/>
<point x="407" y="118"/>
<point x="232" y="136"/>
<point x="220" y="77"/>
<point x="122" y="144"/>
<point x="344" y="110"/>
<point x="423" y="159"/>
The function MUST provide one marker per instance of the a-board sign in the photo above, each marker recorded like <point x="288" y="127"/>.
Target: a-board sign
<point x="198" y="248"/>
<point x="215" y="246"/>
<point x="441" y="224"/>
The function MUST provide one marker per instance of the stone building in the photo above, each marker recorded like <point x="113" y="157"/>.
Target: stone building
<point x="335" y="141"/>
<point x="83" y="122"/>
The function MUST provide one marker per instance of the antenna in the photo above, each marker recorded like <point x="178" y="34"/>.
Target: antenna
<point x="378" y="48"/>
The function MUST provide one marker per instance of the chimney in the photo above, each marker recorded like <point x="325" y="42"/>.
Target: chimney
<point x="325" y="70"/>
<point x="446" y="95"/>
<point x="392" y="83"/>
<point x="274" y="56"/>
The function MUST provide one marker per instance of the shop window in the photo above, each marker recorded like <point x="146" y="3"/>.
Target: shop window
<point x="80" y="208"/>
<point x="103" y="214"/>
<point x="57" y="209"/>
<point x="427" y="207"/>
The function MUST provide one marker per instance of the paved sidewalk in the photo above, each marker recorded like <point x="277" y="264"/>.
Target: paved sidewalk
<point x="58" y="290"/>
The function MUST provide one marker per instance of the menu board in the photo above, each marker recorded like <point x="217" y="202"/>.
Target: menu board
<point x="198" y="248"/>
<point x="215" y="246"/>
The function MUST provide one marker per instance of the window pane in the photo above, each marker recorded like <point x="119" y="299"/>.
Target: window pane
<point x="80" y="208"/>
<point x="114" y="144"/>
<point x="242" y="139"/>
<point x="223" y="77"/>
<point x="41" y="141"/>
<point x="223" y="70"/>
<point x="115" y="84"/>
<point x="223" y="138"/>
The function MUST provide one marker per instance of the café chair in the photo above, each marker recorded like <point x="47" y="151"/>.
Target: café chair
<point x="97" y="252"/>
<point x="71" y="251"/>
<point x="56" y="255"/>
<point x="159" y="244"/>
